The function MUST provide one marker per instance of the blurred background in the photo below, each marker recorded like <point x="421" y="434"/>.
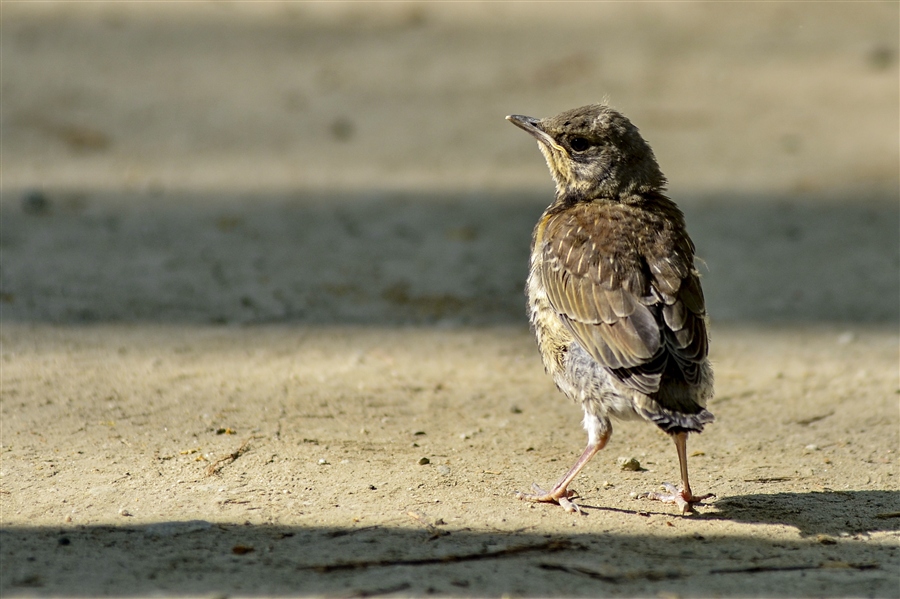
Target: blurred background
<point x="214" y="162"/>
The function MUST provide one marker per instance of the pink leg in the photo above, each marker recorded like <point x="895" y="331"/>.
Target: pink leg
<point x="684" y="498"/>
<point x="560" y="493"/>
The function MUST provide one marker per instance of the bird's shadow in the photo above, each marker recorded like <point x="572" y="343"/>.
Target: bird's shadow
<point x="811" y="513"/>
<point x="815" y="513"/>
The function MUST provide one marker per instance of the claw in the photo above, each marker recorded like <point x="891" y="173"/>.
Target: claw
<point x="569" y="506"/>
<point x="684" y="501"/>
<point x="559" y="496"/>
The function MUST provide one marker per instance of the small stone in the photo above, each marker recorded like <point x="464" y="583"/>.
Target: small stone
<point x="322" y="462"/>
<point x="424" y="461"/>
<point x="630" y="464"/>
<point x="124" y="512"/>
<point x="881" y="57"/>
<point x="846" y="338"/>
<point x="35" y="202"/>
<point x="342" y="129"/>
<point x="443" y="470"/>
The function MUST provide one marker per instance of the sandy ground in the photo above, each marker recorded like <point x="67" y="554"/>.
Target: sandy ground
<point x="263" y="328"/>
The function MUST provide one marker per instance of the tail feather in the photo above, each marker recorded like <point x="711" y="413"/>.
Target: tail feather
<point x="675" y="422"/>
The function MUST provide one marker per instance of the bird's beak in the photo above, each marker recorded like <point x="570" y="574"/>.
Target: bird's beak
<point x="533" y="126"/>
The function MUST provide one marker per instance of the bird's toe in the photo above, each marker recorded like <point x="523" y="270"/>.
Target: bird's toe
<point x="684" y="500"/>
<point x="559" y="496"/>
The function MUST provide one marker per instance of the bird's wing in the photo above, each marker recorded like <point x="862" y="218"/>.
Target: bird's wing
<point x="631" y="309"/>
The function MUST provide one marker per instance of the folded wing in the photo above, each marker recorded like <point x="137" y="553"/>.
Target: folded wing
<point x="630" y="297"/>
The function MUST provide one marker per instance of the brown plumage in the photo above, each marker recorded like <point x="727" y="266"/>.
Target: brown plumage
<point x="614" y="299"/>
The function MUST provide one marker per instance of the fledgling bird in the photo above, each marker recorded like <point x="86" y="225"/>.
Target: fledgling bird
<point x="613" y="296"/>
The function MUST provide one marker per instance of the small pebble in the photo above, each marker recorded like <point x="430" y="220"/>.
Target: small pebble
<point x="846" y="338"/>
<point x="630" y="464"/>
<point x="35" y="202"/>
<point x="443" y="470"/>
<point x="342" y="129"/>
<point x="322" y="462"/>
<point x="424" y="461"/>
<point x="124" y="512"/>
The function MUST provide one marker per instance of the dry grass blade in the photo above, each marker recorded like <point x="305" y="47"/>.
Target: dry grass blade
<point x="217" y="466"/>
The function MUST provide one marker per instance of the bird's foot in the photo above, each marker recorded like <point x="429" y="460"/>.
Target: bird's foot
<point x="558" y="495"/>
<point x="684" y="501"/>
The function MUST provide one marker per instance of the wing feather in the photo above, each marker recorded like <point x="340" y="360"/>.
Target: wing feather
<point x="632" y="308"/>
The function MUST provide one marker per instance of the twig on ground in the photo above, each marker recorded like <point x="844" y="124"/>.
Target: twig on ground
<point x="657" y="575"/>
<point x="217" y="466"/>
<point x="820" y="566"/>
<point x="349" y="531"/>
<point x="613" y="578"/>
<point x="549" y="546"/>
<point x="383" y="591"/>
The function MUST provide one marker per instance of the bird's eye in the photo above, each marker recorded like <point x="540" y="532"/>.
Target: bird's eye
<point x="579" y="144"/>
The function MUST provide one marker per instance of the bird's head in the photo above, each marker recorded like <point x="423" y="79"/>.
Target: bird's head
<point x="594" y="152"/>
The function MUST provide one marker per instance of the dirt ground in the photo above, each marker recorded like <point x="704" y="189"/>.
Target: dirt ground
<point x="263" y="330"/>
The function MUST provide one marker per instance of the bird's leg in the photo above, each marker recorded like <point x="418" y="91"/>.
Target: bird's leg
<point x="560" y="493"/>
<point x="684" y="498"/>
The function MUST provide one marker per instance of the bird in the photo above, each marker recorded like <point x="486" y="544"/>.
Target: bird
<point x="614" y="298"/>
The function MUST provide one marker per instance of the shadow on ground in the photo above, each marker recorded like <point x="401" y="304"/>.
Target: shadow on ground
<point x="198" y="557"/>
<point x="402" y="258"/>
<point x="830" y="513"/>
<point x="835" y="513"/>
